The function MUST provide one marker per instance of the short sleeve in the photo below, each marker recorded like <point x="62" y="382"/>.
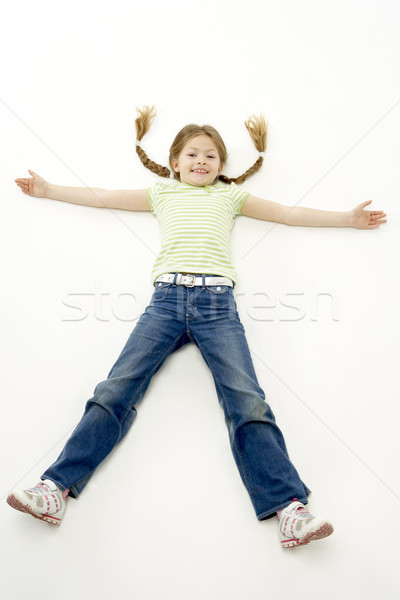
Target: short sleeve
<point x="152" y="196"/>
<point x="238" y="197"/>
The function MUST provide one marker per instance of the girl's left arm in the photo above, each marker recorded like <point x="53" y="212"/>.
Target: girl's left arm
<point x="298" y="215"/>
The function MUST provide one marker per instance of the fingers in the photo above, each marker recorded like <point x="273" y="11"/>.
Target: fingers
<point x="24" y="187"/>
<point x="376" y="224"/>
<point x="23" y="183"/>
<point x="25" y="179"/>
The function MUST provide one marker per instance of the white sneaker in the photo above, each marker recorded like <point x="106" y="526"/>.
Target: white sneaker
<point x="44" y="502"/>
<point x="298" y="527"/>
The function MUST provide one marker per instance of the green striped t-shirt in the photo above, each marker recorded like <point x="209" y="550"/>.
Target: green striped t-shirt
<point x="195" y="225"/>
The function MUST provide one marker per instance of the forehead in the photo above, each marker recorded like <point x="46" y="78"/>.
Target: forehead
<point x="201" y="142"/>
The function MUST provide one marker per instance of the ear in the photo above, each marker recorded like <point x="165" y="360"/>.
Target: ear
<point x="220" y="168"/>
<point x="174" y="164"/>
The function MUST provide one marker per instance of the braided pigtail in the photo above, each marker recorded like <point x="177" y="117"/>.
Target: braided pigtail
<point x="143" y="123"/>
<point x="258" y="129"/>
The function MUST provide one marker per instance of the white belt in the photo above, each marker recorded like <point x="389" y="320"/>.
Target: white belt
<point x="192" y="280"/>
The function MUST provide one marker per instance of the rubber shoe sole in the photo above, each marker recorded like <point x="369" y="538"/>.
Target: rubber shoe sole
<point x="321" y="532"/>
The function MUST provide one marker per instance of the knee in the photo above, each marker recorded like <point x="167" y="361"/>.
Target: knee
<point x="112" y="405"/>
<point x="119" y="420"/>
<point x="255" y="410"/>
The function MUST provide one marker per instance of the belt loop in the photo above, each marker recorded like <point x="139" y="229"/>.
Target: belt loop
<point x="175" y="278"/>
<point x="203" y="281"/>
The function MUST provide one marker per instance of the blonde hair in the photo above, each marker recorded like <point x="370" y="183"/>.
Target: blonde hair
<point x="256" y="126"/>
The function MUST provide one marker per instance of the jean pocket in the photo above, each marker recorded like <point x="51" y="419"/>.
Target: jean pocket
<point x="219" y="295"/>
<point x="161" y="290"/>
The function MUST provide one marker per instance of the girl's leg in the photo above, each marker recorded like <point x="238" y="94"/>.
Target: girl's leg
<point x="111" y="411"/>
<point x="257" y="443"/>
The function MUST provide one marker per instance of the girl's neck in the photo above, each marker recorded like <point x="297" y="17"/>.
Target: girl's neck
<point x="198" y="186"/>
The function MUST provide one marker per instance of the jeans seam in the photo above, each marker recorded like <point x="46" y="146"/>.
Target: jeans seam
<point x="240" y="455"/>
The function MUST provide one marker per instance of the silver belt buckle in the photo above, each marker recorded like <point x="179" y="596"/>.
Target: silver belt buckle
<point x="192" y="282"/>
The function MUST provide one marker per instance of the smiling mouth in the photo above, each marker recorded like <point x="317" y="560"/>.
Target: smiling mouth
<point x="200" y="171"/>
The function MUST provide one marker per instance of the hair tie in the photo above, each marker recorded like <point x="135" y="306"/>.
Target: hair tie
<point x="262" y="154"/>
<point x="138" y="143"/>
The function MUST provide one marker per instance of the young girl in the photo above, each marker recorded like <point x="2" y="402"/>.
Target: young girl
<point x="192" y="301"/>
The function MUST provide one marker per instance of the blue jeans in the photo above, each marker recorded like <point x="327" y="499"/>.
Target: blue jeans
<point x="176" y="316"/>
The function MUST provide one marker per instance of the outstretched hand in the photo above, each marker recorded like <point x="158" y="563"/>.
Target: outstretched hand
<point x="33" y="186"/>
<point x="366" y="219"/>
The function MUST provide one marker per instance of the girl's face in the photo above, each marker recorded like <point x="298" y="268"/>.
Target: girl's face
<point x="199" y="163"/>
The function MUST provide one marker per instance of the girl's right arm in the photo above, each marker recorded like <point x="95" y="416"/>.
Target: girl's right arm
<point x="118" y="199"/>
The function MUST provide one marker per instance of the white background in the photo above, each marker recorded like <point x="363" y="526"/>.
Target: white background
<point x="167" y="516"/>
